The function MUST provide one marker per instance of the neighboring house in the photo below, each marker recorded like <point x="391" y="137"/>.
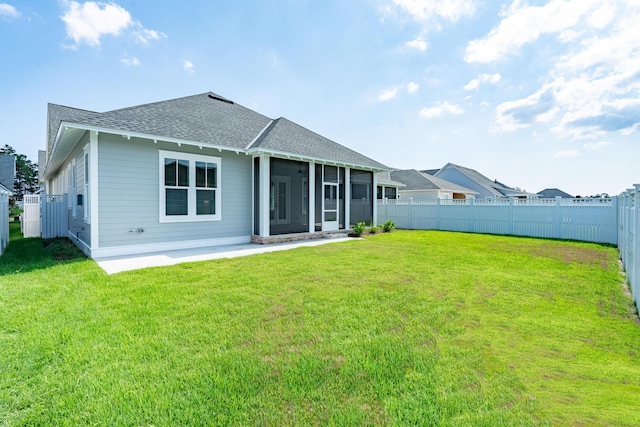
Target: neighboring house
<point x="200" y="171"/>
<point x="474" y="180"/>
<point x="7" y="171"/>
<point x="7" y="178"/>
<point x="551" y="193"/>
<point x="387" y="188"/>
<point x="420" y="186"/>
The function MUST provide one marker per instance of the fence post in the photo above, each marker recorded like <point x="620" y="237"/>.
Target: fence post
<point x="438" y="209"/>
<point x="411" y="214"/>
<point x="635" y="286"/>
<point x="511" y="217"/>
<point x="557" y="219"/>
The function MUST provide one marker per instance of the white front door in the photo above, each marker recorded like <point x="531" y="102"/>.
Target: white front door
<point x="330" y="207"/>
<point x="279" y="200"/>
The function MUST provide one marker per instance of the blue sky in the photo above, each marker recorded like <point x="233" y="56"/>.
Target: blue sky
<point x="536" y="94"/>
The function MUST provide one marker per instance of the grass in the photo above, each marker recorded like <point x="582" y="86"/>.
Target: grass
<point x="402" y="328"/>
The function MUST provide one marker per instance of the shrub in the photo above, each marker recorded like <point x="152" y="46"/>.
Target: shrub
<point x="388" y="226"/>
<point x="359" y="228"/>
<point x="374" y="229"/>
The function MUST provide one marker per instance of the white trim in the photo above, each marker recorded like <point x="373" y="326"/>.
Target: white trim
<point x="312" y="197"/>
<point x="191" y="216"/>
<point x="150" y="137"/>
<point x="265" y="184"/>
<point x="93" y="190"/>
<point x="166" y="246"/>
<point x="374" y="201"/>
<point x="86" y="183"/>
<point x="347" y="198"/>
<point x="301" y="157"/>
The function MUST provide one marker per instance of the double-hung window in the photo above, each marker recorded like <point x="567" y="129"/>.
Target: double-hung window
<point x="189" y="187"/>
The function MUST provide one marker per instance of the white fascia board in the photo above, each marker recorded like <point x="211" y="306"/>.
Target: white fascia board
<point x="301" y="157"/>
<point x="154" y="138"/>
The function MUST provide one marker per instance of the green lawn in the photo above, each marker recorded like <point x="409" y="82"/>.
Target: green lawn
<point x="402" y="328"/>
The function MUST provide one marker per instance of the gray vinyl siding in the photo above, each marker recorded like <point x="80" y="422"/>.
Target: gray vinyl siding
<point x="129" y="194"/>
<point x="77" y="226"/>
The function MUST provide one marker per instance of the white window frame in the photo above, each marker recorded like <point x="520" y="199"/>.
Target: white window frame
<point x="191" y="216"/>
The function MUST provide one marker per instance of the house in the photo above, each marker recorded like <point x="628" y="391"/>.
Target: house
<point x="7" y="177"/>
<point x="551" y="193"/>
<point x="386" y="187"/>
<point x="421" y="186"/>
<point x="200" y="171"/>
<point x="483" y="186"/>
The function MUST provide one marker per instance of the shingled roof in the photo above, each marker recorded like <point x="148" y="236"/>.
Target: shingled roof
<point x="285" y="136"/>
<point x="209" y="119"/>
<point x="415" y="180"/>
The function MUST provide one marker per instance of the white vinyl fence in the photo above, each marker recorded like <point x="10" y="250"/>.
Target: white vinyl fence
<point x="45" y="215"/>
<point x="629" y="238"/>
<point x="590" y="220"/>
<point x="30" y="218"/>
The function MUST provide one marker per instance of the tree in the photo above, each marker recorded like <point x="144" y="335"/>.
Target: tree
<point x="26" y="180"/>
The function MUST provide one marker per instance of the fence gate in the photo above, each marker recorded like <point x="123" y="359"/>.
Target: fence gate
<point x="30" y="223"/>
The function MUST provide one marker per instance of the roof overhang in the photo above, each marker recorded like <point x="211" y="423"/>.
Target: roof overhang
<point x="303" y="158"/>
<point x="70" y="134"/>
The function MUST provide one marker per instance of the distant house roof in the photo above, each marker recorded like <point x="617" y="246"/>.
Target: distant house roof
<point x="494" y="186"/>
<point x="205" y="119"/>
<point x="554" y="192"/>
<point x="7" y="171"/>
<point x="415" y="180"/>
<point x="384" y="178"/>
<point x="430" y="171"/>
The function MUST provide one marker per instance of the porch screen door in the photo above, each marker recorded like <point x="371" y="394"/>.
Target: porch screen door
<point x="330" y="197"/>
<point x="279" y="203"/>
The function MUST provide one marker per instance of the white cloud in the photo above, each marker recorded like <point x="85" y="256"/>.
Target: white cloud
<point x="387" y="95"/>
<point x="133" y="61"/>
<point x="8" y="11"/>
<point x="419" y="43"/>
<point x="567" y="154"/>
<point x="90" y="21"/>
<point x="596" y="145"/>
<point x="412" y="87"/>
<point x="482" y="78"/>
<point x="439" y="110"/>
<point x="144" y="36"/>
<point x="592" y="88"/>
<point x="426" y="10"/>
<point x="188" y="66"/>
<point x="525" y="24"/>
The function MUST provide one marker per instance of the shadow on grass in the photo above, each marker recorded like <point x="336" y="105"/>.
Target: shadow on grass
<point x="25" y="255"/>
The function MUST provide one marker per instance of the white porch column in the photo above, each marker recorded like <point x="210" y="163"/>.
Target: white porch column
<point x="94" y="213"/>
<point x="347" y="198"/>
<point x="312" y="197"/>
<point x="374" y="198"/>
<point x="265" y="185"/>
